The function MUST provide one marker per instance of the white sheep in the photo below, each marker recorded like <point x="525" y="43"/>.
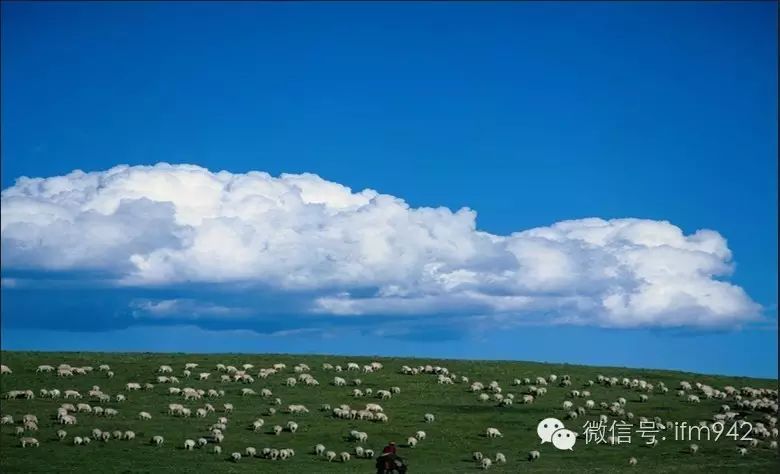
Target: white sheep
<point x="330" y="456"/>
<point x="420" y="435"/>
<point x="533" y="455"/>
<point x="319" y="450"/>
<point x="694" y="448"/>
<point x="411" y="441"/>
<point x="78" y="440"/>
<point x="486" y="463"/>
<point x="4" y="369"/>
<point x="31" y="441"/>
<point x="62" y="434"/>
<point x="217" y="450"/>
<point x="235" y="457"/>
<point x="250" y="451"/>
<point x="429" y="418"/>
<point x="493" y="433"/>
<point x="189" y="444"/>
<point x="345" y="456"/>
<point x="500" y="458"/>
<point x="632" y="461"/>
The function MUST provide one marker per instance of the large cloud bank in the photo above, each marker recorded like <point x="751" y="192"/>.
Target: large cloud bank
<point x="363" y="253"/>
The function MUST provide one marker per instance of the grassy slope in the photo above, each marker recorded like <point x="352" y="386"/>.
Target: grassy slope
<point x="461" y="418"/>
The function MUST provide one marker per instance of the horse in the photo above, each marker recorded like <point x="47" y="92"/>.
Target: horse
<point x="390" y="464"/>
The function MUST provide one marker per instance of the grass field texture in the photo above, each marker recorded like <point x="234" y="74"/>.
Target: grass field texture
<point x="459" y="428"/>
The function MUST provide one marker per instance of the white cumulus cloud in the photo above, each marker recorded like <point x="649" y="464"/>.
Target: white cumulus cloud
<point x="363" y="252"/>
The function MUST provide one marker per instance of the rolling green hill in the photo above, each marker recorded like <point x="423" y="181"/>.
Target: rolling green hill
<point x="458" y="430"/>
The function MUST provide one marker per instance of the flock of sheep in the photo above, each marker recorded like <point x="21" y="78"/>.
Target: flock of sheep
<point x="578" y="402"/>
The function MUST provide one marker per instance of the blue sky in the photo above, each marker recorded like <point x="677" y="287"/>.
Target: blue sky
<point x="527" y="113"/>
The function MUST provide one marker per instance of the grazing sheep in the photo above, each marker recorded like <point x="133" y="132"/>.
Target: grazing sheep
<point x="78" y="441"/>
<point x="533" y="455"/>
<point x="189" y="444"/>
<point x="477" y="456"/>
<point x="429" y="418"/>
<point x="158" y="440"/>
<point x="235" y="457"/>
<point x="359" y="436"/>
<point x="250" y="451"/>
<point x="742" y="451"/>
<point x="62" y="434"/>
<point x="4" y="369"/>
<point x="632" y="461"/>
<point x="319" y="450"/>
<point x="330" y="456"/>
<point x="129" y="435"/>
<point x="345" y="456"/>
<point x="500" y="458"/>
<point x="493" y="433"/>
<point x="217" y="450"/>
<point x="486" y="463"/>
<point x="643" y="398"/>
<point x="411" y="441"/>
<point x="278" y="430"/>
<point x="694" y="448"/>
<point x="292" y="426"/>
<point x="420" y="435"/>
<point x="144" y="415"/>
<point x="30" y="441"/>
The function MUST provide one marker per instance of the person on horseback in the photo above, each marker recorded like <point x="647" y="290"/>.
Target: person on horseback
<point x="389" y="462"/>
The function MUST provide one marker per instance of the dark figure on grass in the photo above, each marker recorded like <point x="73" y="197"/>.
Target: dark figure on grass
<point x="389" y="462"/>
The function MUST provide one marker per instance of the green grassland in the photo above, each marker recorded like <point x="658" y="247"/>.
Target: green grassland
<point x="461" y="419"/>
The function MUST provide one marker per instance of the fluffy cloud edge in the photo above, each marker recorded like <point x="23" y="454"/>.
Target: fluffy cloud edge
<point x="361" y="253"/>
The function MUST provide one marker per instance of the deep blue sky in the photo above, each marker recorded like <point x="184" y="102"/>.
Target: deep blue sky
<point x="529" y="113"/>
